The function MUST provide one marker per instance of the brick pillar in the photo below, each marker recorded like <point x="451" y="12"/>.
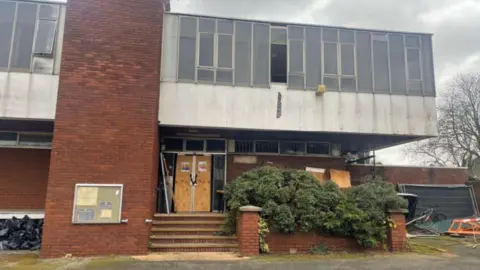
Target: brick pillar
<point x="106" y="123"/>
<point x="397" y="235"/>
<point x="247" y="231"/>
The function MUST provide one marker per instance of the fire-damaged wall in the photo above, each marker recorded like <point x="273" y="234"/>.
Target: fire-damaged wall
<point x="23" y="178"/>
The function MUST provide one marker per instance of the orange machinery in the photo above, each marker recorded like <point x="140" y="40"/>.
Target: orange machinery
<point x="465" y="226"/>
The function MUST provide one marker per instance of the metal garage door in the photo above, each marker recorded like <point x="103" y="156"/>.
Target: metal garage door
<point x="454" y="201"/>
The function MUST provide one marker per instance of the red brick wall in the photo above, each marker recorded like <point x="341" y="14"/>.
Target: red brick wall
<point x="397" y="235"/>
<point x="23" y="178"/>
<point x="247" y="233"/>
<point x="279" y="243"/>
<point x="411" y="175"/>
<point x="295" y="162"/>
<point x="106" y="124"/>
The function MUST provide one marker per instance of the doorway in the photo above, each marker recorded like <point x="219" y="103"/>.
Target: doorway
<point x="193" y="183"/>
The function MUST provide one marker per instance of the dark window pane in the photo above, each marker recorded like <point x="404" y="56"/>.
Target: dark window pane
<point x="330" y="55"/>
<point x="205" y="75"/>
<point x="7" y="15"/>
<point x="347" y="36"/>
<point x="243" y="43"/>
<point x="215" y="145"/>
<point x="313" y="57"/>
<point x="413" y="58"/>
<point x="380" y="64"/>
<point x="348" y="84"/>
<point x="187" y="48"/>
<point x="224" y="76"/>
<point x="48" y="12"/>
<point x="225" y="51"/>
<point x="295" y="32"/>
<point x="261" y="55"/>
<point x="412" y="41"/>
<point x="397" y="64"/>
<point x="330" y="35"/>
<point x="206" y="50"/>
<point x="243" y="146"/>
<point x="24" y="32"/>
<point x="278" y="65"/>
<point x="266" y="147"/>
<point x="318" y="148"/>
<point x="173" y="144"/>
<point x="207" y="25"/>
<point x="218" y="177"/>
<point x="331" y="83"/>
<point x="347" y="59"/>
<point x="296" y="56"/>
<point x="8" y="138"/>
<point x="35" y="140"/>
<point x="364" y="62"/>
<point x="292" y="148"/>
<point x="279" y="36"/>
<point x="225" y="27"/>
<point x="194" y="145"/>
<point x="296" y="81"/>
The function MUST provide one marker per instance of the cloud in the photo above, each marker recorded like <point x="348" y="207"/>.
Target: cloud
<point x="454" y="25"/>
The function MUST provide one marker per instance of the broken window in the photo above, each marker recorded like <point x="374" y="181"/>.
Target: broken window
<point x="278" y="48"/>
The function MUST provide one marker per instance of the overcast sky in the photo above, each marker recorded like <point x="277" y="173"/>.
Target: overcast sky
<point x="454" y="23"/>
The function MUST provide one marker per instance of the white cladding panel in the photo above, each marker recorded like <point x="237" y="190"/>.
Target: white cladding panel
<point x="215" y="106"/>
<point x="28" y="96"/>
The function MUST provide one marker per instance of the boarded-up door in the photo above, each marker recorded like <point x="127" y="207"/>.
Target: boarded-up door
<point x="197" y="169"/>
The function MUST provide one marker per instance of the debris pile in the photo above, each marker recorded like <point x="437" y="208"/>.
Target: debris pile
<point x="21" y="234"/>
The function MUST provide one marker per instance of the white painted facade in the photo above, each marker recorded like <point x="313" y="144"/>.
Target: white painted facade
<point x="215" y="106"/>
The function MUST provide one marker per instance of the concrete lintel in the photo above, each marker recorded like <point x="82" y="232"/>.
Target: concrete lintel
<point x="250" y="208"/>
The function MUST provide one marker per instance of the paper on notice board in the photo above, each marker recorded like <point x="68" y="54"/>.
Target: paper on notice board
<point x="87" y="196"/>
<point x="106" y="213"/>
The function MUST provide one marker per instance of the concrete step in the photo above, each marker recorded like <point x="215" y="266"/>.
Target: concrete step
<point x="193" y="247"/>
<point x="192" y="239"/>
<point x="189" y="217"/>
<point x="184" y="231"/>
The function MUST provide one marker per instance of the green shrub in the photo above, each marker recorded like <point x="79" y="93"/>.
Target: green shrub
<point x="294" y="200"/>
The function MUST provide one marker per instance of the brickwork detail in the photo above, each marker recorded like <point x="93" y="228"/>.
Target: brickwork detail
<point x="106" y="124"/>
<point x="247" y="234"/>
<point x="23" y="178"/>
<point x="397" y="235"/>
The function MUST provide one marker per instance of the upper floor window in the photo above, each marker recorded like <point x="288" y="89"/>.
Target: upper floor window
<point x="256" y="54"/>
<point x="28" y="32"/>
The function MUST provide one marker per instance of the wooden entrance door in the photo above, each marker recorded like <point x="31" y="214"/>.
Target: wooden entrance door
<point x="203" y="167"/>
<point x="197" y="168"/>
<point x="183" y="174"/>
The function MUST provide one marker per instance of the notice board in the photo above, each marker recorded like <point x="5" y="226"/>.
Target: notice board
<point x="97" y="203"/>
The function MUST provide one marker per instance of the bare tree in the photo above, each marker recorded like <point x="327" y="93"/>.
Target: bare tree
<point x="458" y="141"/>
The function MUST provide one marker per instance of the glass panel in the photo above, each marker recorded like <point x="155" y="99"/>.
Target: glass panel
<point x="379" y="37"/>
<point x="261" y="54"/>
<point x="296" y="56"/>
<point x="206" y="50"/>
<point x="397" y="64"/>
<point x="412" y="41"/>
<point x="348" y="59"/>
<point x="216" y="146"/>
<point x="292" y="148"/>
<point x="347" y="36"/>
<point x="279" y="36"/>
<point x="35" y="140"/>
<point x="194" y="145"/>
<point x="243" y="146"/>
<point x="206" y="25"/>
<point x="380" y="64"/>
<point x="318" y="148"/>
<point x="225" y="27"/>
<point x="8" y="138"/>
<point x="172" y="144"/>
<point x="205" y="75"/>
<point x="7" y="15"/>
<point x="427" y="66"/>
<point x="348" y="84"/>
<point x="278" y="63"/>
<point x="330" y="35"/>
<point x="413" y="58"/>
<point x="415" y="87"/>
<point x="295" y="32"/>
<point x="225" y="51"/>
<point x="364" y="62"/>
<point x="243" y="45"/>
<point x="218" y="178"/>
<point x="296" y="81"/>
<point x="187" y="48"/>
<point x="330" y="83"/>
<point x="313" y="57"/>
<point x="49" y="12"/>
<point x="24" y="32"/>
<point x="330" y="55"/>
<point x="224" y="76"/>
<point x="45" y="37"/>
<point x="266" y="147"/>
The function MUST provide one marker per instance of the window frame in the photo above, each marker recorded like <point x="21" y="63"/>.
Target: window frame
<point x="420" y="66"/>
<point x="33" y="146"/>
